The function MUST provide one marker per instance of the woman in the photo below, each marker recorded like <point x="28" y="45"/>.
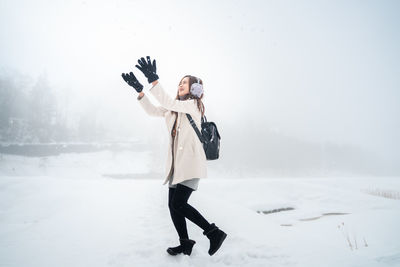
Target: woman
<point x="186" y="161"/>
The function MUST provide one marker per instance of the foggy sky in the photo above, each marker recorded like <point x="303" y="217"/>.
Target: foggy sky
<point x="316" y="70"/>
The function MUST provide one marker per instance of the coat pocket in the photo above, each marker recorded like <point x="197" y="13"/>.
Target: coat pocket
<point x="193" y="149"/>
<point x="188" y="150"/>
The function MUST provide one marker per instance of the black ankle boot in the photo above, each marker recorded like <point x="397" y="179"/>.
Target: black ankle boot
<point x="185" y="247"/>
<point x="216" y="237"/>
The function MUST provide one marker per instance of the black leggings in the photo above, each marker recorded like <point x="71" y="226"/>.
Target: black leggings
<point x="179" y="209"/>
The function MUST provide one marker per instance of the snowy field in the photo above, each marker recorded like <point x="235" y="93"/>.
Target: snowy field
<point x="62" y="211"/>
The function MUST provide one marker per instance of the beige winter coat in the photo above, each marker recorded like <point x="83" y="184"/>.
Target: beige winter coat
<point x="190" y="159"/>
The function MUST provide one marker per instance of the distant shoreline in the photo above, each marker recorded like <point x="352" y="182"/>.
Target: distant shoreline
<point x="54" y="149"/>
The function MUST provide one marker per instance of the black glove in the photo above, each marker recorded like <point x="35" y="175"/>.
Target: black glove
<point x="132" y="81"/>
<point x="148" y="69"/>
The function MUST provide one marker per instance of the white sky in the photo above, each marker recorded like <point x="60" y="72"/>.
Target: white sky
<point x="318" y="70"/>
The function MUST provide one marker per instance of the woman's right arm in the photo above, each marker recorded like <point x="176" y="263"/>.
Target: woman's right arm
<point x="149" y="107"/>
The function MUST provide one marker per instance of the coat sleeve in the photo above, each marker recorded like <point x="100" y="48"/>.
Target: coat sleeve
<point x="150" y="108"/>
<point x="187" y="106"/>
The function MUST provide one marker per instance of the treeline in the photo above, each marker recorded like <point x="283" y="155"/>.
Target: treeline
<point x="31" y="112"/>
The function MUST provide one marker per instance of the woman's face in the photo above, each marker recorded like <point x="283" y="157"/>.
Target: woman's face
<point x="183" y="87"/>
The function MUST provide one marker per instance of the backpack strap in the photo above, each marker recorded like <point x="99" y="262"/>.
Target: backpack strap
<point x="201" y="137"/>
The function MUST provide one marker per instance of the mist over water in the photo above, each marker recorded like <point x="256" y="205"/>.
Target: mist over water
<point x="295" y="88"/>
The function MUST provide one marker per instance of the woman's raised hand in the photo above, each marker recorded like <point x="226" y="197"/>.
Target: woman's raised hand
<point x="132" y="81"/>
<point x="149" y="70"/>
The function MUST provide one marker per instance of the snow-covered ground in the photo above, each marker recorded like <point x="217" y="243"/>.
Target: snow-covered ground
<point x="61" y="211"/>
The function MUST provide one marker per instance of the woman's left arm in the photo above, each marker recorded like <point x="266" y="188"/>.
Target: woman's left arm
<point x="187" y="106"/>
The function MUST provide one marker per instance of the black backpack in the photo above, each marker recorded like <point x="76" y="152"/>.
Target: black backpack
<point x="209" y="136"/>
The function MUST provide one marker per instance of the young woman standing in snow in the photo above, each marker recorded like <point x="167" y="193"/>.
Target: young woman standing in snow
<point x="186" y="162"/>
